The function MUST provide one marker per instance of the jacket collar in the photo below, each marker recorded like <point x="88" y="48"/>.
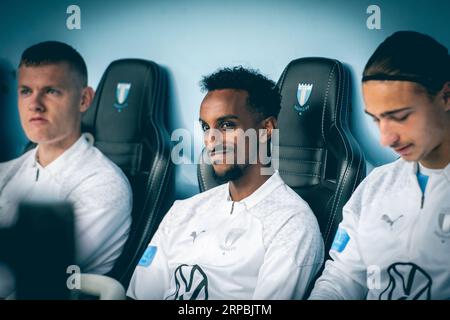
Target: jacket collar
<point x="261" y="193"/>
<point x="66" y="160"/>
<point x="413" y="167"/>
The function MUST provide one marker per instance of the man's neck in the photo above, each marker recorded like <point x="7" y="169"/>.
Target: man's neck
<point x="49" y="152"/>
<point x="247" y="184"/>
<point x="438" y="158"/>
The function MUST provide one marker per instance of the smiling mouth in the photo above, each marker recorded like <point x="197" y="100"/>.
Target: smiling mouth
<point x="219" y="152"/>
<point x="221" y="156"/>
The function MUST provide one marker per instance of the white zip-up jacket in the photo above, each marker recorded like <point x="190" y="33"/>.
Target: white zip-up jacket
<point x="394" y="240"/>
<point x="266" y="246"/>
<point x="97" y="188"/>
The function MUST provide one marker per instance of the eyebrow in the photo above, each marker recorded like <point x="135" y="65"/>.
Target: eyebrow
<point x="389" y="113"/>
<point x="21" y="86"/>
<point x="226" y="117"/>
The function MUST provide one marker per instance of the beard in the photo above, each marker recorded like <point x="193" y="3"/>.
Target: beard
<point x="231" y="174"/>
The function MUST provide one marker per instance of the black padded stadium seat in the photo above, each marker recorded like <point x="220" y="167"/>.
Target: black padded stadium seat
<point x="127" y="122"/>
<point x="318" y="156"/>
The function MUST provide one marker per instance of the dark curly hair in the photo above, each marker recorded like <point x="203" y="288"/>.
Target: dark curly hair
<point x="263" y="94"/>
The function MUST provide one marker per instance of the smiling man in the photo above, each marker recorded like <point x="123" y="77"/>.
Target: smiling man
<point x="394" y="240"/>
<point x="251" y="238"/>
<point x="52" y="96"/>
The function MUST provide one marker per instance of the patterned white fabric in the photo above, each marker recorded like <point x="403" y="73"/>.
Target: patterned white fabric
<point x="267" y="246"/>
<point x="83" y="176"/>
<point x="394" y="241"/>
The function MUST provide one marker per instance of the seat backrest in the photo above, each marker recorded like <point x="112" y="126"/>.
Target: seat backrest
<point x="127" y="123"/>
<point x="318" y="156"/>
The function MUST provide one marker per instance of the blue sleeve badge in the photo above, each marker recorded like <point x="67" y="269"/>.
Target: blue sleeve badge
<point x="148" y="256"/>
<point x="340" y="240"/>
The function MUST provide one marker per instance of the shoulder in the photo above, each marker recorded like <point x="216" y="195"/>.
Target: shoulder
<point x="18" y="160"/>
<point x="391" y="169"/>
<point x="385" y="177"/>
<point x="13" y="165"/>
<point x="381" y="181"/>
<point x="284" y="204"/>
<point x="290" y="227"/>
<point x="286" y="216"/>
<point x="99" y="165"/>
<point x="184" y="210"/>
<point x="96" y="174"/>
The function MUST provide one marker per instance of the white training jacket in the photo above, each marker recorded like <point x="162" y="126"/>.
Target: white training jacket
<point x="394" y="241"/>
<point x="267" y="246"/>
<point x="97" y="188"/>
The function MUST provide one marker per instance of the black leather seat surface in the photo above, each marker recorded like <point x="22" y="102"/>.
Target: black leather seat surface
<point x="127" y="122"/>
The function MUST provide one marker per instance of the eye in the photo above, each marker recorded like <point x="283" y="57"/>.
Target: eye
<point x="227" y="125"/>
<point x="24" y="91"/>
<point x="205" y="127"/>
<point x="53" y="91"/>
<point x="403" y="118"/>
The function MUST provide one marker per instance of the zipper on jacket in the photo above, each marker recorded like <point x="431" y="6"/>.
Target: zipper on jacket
<point x="232" y="208"/>
<point x="422" y="200"/>
<point x="37" y="174"/>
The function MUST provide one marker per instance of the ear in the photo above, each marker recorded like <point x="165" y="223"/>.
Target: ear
<point x="86" y="98"/>
<point x="268" y="124"/>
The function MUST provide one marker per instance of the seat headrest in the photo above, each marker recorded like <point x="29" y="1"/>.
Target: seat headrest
<point x="126" y="116"/>
<point x="312" y="91"/>
<point x="123" y="102"/>
<point x="315" y="93"/>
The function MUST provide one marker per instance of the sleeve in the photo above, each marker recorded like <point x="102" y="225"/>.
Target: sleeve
<point x="344" y="276"/>
<point x="102" y="220"/>
<point x="291" y="262"/>
<point x="151" y="278"/>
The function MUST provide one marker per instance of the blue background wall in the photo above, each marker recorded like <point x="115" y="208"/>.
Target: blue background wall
<point x="193" y="38"/>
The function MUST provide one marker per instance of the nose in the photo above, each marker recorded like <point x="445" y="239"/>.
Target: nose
<point x="212" y="138"/>
<point x="389" y="137"/>
<point x="35" y="103"/>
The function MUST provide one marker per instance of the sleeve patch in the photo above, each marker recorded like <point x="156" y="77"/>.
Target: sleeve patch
<point x="340" y="240"/>
<point x="148" y="256"/>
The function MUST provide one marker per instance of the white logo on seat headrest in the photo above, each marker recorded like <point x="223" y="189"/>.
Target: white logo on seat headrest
<point x="303" y="93"/>
<point x="122" y="91"/>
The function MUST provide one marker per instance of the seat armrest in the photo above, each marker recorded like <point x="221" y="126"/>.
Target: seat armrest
<point x="106" y="288"/>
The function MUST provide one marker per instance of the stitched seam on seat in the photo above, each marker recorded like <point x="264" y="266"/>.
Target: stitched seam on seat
<point x="304" y="161"/>
<point x="337" y="200"/>
<point x="299" y="174"/>
<point x="323" y="136"/>
<point x="203" y="173"/>
<point x="325" y="101"/>
<point x="303" y="148"/>
<point x="357" y="174"/>
<point x="202" y="169"/>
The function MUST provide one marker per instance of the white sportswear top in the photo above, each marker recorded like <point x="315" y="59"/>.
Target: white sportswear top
<point x="267" y="246"/>
<point x="394" y="241"/>
<point x="82" y="175"/>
